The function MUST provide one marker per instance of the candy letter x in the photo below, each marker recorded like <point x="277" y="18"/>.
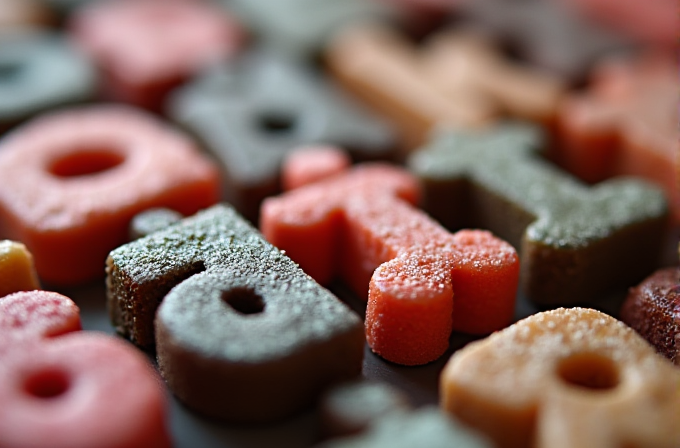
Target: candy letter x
<point x="428" y="281"/>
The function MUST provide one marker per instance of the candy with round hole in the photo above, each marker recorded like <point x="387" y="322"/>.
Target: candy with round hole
<point x="17" y="272"/>
<point x="352" y="407"/>
<point x="24" y="13"/>
<point x="421" y="280"/>
<point x="80" y="391"/>
<point x="66" y="389"/>
<point x="568" y="378"/>
<point x="39" y="71"/>
<point x="73" y="180"/>
<point x="576" y="241"/>
<point x="241" y="334"/>
<point x="652" y="308"/>
<point x="425" y="427"/>
<point x="145" y="48"/>
<point x="251" y="113"/>
<point x="456" y="79"/>
<point x="625" y="124"/>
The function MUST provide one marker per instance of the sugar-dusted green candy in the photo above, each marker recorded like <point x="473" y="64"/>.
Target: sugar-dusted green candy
<point x="575" y="241"/>
<point x="242" y="333"/>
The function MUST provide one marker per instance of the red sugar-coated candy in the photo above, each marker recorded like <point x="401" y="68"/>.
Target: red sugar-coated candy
<point x="80" y="391"/>
<point x="626" y="124"/>
<point x="427" y="282"/>
<point x="73" y="180"/>
<point x="60" y="387"/>
<point x="35" y="315"/>
<point x="310" y="164"/>
<point x="147" y="47"/>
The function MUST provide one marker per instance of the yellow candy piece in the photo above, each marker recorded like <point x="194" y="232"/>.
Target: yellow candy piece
<point x="567" y="378"/>
<point x="17" y="272"/>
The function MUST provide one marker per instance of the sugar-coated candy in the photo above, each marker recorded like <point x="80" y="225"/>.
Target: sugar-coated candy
<point x="78" y="391"/>
<point x="549" y="34"/>
<point x="625" y="124"/>
<point x="652" y="308"/>
<point x="40" y="70"/>
<point x="567" y="378"/>
<point x="63" y="388"/>
<point x="241" y="334"/>
<point x="456" y="79"/>
<point x="35" y="315"/>
<point x="575" y="241"/>
<point x="427" y="282"/>
<point x="73" y="180"/>
<point x="17" y="272"/>
<point x="250" y="113"/>
<point x="145" y="48"/>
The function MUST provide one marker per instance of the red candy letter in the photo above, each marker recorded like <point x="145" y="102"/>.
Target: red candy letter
<point x="77" y="390"/>
<point x="427" y="282"/>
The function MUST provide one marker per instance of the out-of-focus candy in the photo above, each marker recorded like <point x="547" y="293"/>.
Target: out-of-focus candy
<point x="626" y="124"/>
<point x="63" y="388"/>
<point x="576" y="242"/>
<point x="40" y="71"/>
<point x="17" y="272"/>
<point x="547" y="33"/>
<point x="145" y="48"/>
<point x="252" y="112"/>
<point x="24" y="13"/>
<point x="457" y="79"/>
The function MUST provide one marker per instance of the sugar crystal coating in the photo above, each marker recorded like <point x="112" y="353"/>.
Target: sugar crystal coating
<point x="427" y="282"/>
<point x="652" y="308"/>
<point x="241" y="313"/>
<point x="34" y="315"/>
<point x="565" y="378"/>
<point x="576" y="241"/>
<point x="73" y="180"/>
<point x="78" y="391"/>
<point x="63" y="388"/>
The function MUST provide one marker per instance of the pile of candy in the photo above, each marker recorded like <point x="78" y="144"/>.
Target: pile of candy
<point x="484" y="186"/>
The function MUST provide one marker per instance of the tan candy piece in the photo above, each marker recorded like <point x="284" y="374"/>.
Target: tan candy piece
<point x="458" y="79"/>
<point x="17" y="14"/>
<point x="567" y="378"/>
<point x="17" y="272"/>
<point x="461" y="63"/>
<point x="383" y="69"/>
